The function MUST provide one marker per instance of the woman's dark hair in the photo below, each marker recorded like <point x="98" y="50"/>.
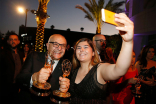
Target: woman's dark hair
<point x="109" y="56"/>
<point x="29" y="46"/>
<point x="95" y="59"/>
<point x="143" y="54"/>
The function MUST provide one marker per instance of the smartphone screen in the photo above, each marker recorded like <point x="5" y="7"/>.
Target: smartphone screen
<point x="108" y="16"/>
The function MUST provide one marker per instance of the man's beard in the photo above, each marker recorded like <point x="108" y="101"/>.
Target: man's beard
<point x="13" y="47"/>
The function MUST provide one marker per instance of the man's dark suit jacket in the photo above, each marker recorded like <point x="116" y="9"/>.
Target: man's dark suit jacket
<point x="7" y="71"/>
<point x="34" y="62"/>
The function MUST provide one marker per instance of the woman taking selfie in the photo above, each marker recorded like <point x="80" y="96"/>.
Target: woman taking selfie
<point x="89" y="77"/>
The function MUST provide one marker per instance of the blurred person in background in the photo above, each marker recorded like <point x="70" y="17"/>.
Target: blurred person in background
<point x="11" y="60"/>
<point x="99" y="41"/>
<point x="68" y="53"/>
<point x="147" y="69"/>
<point x="109" y="56"/>
<point x="26" y="50"/>
<point x="122" y="93"/>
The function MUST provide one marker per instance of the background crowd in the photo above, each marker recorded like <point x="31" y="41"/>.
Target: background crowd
<point x="96" y="76"/>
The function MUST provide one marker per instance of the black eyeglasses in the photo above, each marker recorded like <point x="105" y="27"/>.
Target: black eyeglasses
<point x="55" y="44"/>
<point x="101" y="40"/>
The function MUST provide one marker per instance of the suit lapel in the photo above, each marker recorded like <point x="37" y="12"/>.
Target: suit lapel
<point x="54" y="78"/>
<point x="21" y="57"/>
<point x="58" y="69"/>
<point x="10" y="56"/>
<point x="56" y="73"/>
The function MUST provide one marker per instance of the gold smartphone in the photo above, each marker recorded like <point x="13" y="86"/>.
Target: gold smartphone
<point x="108" y="16"/>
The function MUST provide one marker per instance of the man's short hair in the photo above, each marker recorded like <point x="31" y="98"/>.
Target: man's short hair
<point x="12" y="34"/>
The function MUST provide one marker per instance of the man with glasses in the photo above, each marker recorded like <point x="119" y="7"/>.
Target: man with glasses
<point x="33" y="69"/>
<point x="99" y="41"/>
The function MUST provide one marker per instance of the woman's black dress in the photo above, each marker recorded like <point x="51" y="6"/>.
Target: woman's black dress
<point x="148" y="92"/>
<point x="88" y="91"/>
